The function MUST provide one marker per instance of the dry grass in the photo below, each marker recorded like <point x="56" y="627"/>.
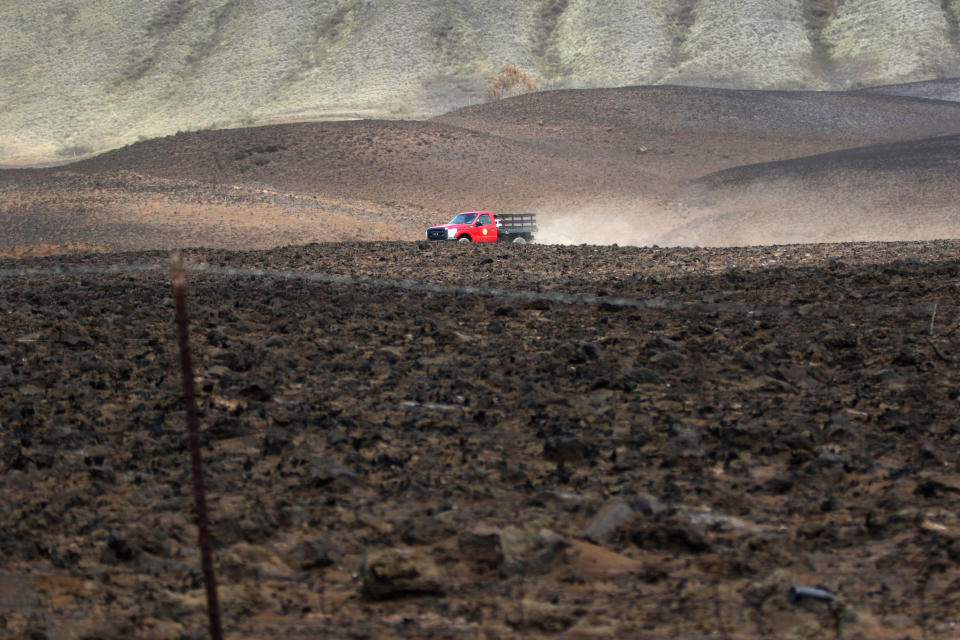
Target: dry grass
<point x="509" y="82"/>
<point x="183" y="65"/>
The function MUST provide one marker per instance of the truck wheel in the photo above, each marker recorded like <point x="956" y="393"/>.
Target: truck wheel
<point x="464" y="239"/>
<point x="519" y="240"/>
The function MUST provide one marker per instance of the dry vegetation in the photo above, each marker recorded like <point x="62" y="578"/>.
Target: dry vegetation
<point x="187" y="66"/>
<point x="509" y="82"/>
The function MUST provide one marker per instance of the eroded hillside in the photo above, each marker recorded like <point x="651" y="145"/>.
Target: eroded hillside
<point x="83" y="77"/>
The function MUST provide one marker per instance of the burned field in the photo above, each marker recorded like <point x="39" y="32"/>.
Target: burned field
<point x="588" y="442"/>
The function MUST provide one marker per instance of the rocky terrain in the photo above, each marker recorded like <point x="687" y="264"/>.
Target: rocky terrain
<point x="599" y="442"/>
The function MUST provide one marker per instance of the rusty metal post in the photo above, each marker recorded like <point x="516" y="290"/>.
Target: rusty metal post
<point x="193" y="429"/>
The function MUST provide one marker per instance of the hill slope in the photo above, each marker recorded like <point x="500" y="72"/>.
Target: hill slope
<point x="83" y="77"/>
<point x="898" y="191"/>
<point x="601" y="166"/>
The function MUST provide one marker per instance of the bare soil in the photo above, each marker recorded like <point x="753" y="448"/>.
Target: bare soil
<point x="731" y="423"/>
<point x="629" y="166"/>
<point x="414" y="440"/>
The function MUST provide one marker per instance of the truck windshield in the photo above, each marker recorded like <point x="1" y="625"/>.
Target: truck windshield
<point x="463" y="218"/>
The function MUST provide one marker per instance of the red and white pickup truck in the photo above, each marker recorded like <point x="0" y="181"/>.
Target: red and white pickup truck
<point x="484" y="226"/>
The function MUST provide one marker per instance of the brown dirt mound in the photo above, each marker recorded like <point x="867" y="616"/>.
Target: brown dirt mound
<point x="618" y="158"/>
<point x="901" y="190"/>
<point x="911" y="159"/>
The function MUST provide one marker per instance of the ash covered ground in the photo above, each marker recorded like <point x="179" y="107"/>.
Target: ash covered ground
<point x="391" y="462"/>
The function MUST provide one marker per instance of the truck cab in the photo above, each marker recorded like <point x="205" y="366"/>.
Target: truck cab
<point x="469" y="226"/>
<point x="483" y="226"/>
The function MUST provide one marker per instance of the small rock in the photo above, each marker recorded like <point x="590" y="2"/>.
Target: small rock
<point x="826" y="461"/>
<point x="780" y="484"/>
<point x="224" y="429"/>
<point x="282" y="415"/>
<point x="482" y="549"/>
<point x="668" y="359"/>
<point x="275" y="441"/>
<point x="104" y="473"/>
<point x="248" y="598"/>
<point x="29" y="390"/>
<point x="648" y="505"/>
<point x="540" y="616"/>
<point x="218" y="371"/>
<point x="390" y="354"/>
<point x="777" y="583"/>
<point x="16" y="480"/>
<point x="244" y="560"/>
<point x="399" y="572"/>
<point x="608" y="519"/>
<point x="12" y="457"/>
<point x="308" y="554"/>
<point x="74" y="336"/>
<point x="119" y="550"/>
<point x="645" y="375"/>
<point x="464" y="338"/>
<point x="661" y="343"/>
<point x="769" y="383"/>
<point x="934" y="489"/>
<point x="326" y="472"/>
<point x="256" y="392"/>
<point x="530" y="552"/>
<point x="567" y="450"/>
<point x="591" y="351"/>
<point x="424" y="530"/>
<point x="274" y="341"/>
<point x="671" y="533"/>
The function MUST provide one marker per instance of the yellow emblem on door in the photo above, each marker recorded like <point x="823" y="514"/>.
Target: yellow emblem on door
<point x="486" y="231"/>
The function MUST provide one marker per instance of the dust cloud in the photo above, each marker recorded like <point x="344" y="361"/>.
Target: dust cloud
<point x="862" y="209"/>
<point x="623" y="223"/>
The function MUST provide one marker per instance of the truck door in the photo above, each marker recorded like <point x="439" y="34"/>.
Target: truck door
<point x="486" y="229"/>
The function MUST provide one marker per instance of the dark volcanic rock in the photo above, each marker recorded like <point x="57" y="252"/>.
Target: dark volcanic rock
<point x="481" y="549"/>
<point x="308" y="554"/>
<point x="400" y="572"/>
<point x="568" y="450"/>
<point x="674" y="533"/>
<point x="489" y="453"/>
